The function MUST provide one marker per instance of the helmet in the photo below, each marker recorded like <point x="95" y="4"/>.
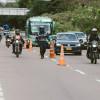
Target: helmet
<point x="94" y="29"/>
<point x="17" y="32"/>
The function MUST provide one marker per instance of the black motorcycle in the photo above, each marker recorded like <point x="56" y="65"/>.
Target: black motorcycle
<point x="17" y="48"/>
<point x="8" y="42"/>
<point x="93" y="54"/>
<point x="0" y="37"/>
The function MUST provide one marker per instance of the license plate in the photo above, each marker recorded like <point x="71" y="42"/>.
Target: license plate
<point x="68" y="48"/>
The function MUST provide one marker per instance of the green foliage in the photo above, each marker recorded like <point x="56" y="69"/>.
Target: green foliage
<point x="86" y="18"/>
<point x="69" y="15"/>
<point x="78" y="20"/>
<point x="62" y="22"/>
<point x="25" y="3"/>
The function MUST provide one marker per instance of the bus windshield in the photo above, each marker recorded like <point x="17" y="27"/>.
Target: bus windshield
<point x="35" y="27"/>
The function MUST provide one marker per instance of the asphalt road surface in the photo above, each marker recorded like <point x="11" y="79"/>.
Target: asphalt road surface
<point x="30" y="78"/>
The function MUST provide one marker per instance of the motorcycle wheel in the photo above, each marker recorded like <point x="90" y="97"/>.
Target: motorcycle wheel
<point x="17" y="54"/>
<point x="95" y="58"/>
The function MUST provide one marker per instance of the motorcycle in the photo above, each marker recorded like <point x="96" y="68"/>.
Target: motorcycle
<point x="94" y="54"/>
<point x="17" y="48"/>
<point x="8" y="42"/>
<point x="0" y="38"/>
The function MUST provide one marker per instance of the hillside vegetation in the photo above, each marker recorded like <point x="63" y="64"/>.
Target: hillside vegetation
<point x="69" y="15"/>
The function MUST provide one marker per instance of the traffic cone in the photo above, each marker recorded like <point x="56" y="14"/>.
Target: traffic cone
<point x="52" y="51"/>
<point x="30" y="46"/>
<point x="25" y="45"/>
<point x="62" y="60"/>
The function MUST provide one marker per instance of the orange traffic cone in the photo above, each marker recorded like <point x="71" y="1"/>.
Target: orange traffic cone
<point x="52" y="52"/>
<point x="30" y="46"/>
<point x="25" y="45"/>
<point x="62" y="60"/>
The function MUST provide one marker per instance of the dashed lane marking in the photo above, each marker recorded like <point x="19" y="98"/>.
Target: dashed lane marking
<point x="1" y="93"/>
<point x="2" y="98"/>
<point x="79" y="71"/>
<point x="98" y="80"/>
<point x="0" y="88"/>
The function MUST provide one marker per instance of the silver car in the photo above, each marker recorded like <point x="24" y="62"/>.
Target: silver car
<point x="70" y="42"/>
<point x="82" y="38"/>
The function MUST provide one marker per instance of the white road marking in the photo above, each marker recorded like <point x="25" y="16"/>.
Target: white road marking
<point x="1" y="94"/>
<point x="98" y="80"/>
<point x="0" y="88"/>
<point x="2" y="98"/>
<point x="79" y="71"/>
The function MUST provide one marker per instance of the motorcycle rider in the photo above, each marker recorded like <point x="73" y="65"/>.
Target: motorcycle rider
<point x="93" y="36"/>
<point x="7" y="37"/>
<point x="19" y="37"/>
<point x="42" y="41"/>
<point x="0" y="37"/>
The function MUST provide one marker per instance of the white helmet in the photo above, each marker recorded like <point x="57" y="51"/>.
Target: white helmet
<point x="94" y="29"/>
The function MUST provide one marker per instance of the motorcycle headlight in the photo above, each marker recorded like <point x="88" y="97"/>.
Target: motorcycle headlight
<point x="78" y="45"/>
<point x="58" y="44"/>
<point x="8" y="40"/>
<point x="17" y="41"/>
<point x="94" y="46"/>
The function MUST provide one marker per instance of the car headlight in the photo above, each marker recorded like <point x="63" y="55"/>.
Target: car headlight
<point x="78" y="45"/>
<point x="58" y="44"/>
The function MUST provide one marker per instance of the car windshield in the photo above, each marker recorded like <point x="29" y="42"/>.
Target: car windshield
<point x="80" y="35"/>
<point x="67" y="37"/>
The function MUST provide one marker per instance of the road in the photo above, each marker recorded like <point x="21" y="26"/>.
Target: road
<point x="30" y="78"/>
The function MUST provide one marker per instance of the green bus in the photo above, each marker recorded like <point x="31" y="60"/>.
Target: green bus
<point x="34" y="23"/>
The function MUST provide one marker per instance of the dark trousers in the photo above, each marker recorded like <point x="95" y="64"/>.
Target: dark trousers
<point x="42" y="45"/>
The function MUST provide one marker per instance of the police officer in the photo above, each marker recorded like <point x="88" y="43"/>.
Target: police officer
<point x="93" y="36"/>
<point x="42" y="41"/>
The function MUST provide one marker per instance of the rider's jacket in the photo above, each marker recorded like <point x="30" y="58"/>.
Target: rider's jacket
<point x="94" y="37"/>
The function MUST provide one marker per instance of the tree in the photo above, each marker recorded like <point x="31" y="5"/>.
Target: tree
<point x="25" y="3"/>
